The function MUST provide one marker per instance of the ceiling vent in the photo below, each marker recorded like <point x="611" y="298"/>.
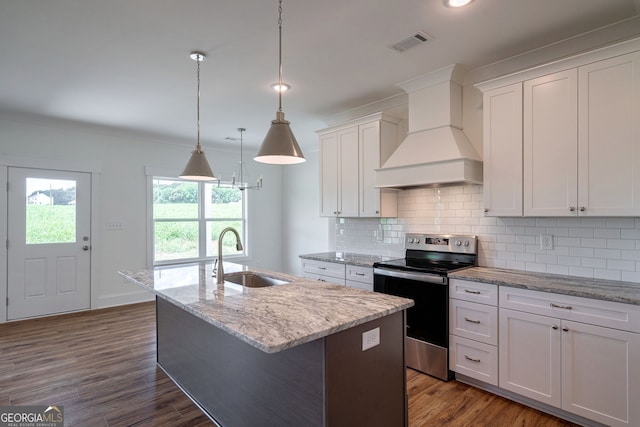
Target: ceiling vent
<point x="410" y="42"/>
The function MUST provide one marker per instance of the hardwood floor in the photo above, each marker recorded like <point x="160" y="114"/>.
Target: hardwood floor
<point x="100" y="366"/>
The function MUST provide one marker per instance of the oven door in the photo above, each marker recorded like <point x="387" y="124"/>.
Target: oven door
<point x="428" y="319"/>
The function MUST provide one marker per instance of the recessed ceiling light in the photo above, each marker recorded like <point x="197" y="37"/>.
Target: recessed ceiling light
<point x="456" y="3"/>
<point x="280" y="88"/>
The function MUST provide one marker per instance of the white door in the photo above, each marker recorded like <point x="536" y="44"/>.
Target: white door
<point x="551" y="145"/>
<point x="503" y="151"/>
<point x="49" y="242"/>
<point x="608" y="135"/>
<point x="600" y="367"/>
<point x="348" y="185"/>
<point x="529" y="355"/>
<point x="329" y="174"/>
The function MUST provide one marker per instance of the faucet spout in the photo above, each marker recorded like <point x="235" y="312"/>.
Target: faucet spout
<point x="220" y="273"/>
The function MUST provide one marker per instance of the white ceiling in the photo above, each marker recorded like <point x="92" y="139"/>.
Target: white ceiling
<point x="126" y="63"/>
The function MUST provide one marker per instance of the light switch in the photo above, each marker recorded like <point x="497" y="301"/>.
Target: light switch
<point x="370" y="339"/>
<point x="115" y="225"/>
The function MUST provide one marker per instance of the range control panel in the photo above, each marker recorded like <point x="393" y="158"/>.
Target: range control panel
<point x="456" y="243"/>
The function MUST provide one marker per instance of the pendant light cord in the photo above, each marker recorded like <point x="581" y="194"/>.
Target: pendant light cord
<point x="280" y="55"/>
<point x="198" y="147"/>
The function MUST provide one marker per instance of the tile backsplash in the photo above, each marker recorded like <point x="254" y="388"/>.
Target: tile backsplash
<point x="602" y="248"/>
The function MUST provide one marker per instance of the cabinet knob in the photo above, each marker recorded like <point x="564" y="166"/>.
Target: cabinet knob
<point x="572" y="208"/>
<point x="377" y="212"/>
<point x="486" y="210"/>
<point x="564" y="328"/>
<point x="554" y="327"/>
<point x="335" y="212"/>
<point x="582" y="209"/>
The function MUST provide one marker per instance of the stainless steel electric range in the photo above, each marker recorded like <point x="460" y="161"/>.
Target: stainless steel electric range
<point x="422" y="276"/>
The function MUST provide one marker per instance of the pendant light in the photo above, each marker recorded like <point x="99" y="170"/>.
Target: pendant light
<point x="241" y="175"/>
<point x="280" y="146"/>
<point x="198" y="168"/>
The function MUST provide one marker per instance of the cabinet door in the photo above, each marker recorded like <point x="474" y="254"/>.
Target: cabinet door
<point x="609" y="136"/>
<point x="503" y="151"/>
<point x="369" y="162"/>
<point x="348" y="172"/>
<point x="601" y="373"/>
<point x="329" y="174"/>
<point x="529" y="355"/>
<point x="551" y="145"/>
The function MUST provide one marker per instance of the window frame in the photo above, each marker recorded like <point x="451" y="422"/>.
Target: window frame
<point x="201" y="220"/>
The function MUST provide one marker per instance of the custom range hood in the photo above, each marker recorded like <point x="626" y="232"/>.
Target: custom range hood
<point x="435" y="151"/>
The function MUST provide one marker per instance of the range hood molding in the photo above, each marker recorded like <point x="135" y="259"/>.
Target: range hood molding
<point x="435" y="151"/>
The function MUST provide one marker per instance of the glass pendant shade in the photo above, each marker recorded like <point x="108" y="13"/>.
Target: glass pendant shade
<point x="198" y="167"/>
<point x="280" y="146"/>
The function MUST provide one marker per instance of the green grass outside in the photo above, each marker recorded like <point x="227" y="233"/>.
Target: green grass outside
<point x="51" y="224"/>
<point x="173" y="240"/>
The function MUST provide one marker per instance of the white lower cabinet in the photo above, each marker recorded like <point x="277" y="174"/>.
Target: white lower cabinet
<point x="359" y="277"/>
<point x="563" y="351"/>
<point x="354" y="276"/>
<point x="473" y="328"/>
<point x="324" y="271"/>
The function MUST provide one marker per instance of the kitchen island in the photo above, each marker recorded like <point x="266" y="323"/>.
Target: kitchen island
<point x="300" y="353"/>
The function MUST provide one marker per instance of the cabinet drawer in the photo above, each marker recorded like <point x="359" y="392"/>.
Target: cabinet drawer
<point x="360" y="274"/>
<point x="360" y="285"/>
<point x="474" y="321"/>
<point x="473" y="359"/>
<point x="321" y="278"/>
<point x="483" y="293"/>
<point x="330" y="269"/>
<point x="610" y="314"/>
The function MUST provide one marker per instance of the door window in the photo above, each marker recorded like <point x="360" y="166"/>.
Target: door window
<point x="50" y="211"/>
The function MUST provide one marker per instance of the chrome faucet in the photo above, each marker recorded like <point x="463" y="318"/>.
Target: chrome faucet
<point x="220" y="273"/>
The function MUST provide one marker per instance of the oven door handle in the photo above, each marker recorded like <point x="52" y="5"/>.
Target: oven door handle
<point x="421" y="277"/>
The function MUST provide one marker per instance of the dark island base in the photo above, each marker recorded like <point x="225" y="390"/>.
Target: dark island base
<point x="326" y="382"/>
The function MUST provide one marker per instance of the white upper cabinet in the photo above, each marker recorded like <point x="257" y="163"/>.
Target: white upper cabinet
<point x="609" y="137"/>
<point x="572" y="145"/>
<point x="339" y="173"/>
<point x="329" y="174"/>
<point x="503" y="151"/>
<point x="350" y="154"/>
<point x="550" y="139"/>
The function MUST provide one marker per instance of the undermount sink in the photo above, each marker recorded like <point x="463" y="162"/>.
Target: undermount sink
<point x="249" y="279"/>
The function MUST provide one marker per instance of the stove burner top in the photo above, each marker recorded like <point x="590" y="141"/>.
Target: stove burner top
<point x="424" y="266"/>
<point x="435" y="254"/>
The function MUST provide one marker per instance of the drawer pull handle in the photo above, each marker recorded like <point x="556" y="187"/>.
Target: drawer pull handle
<point x="564" y="307"/>
<point x="322" y="268"/>
<point x="360" y="274"/>
<point x="469" y="291"/>
<point x="554" y="327"/>
<point x="471" y="359"/>
<point x="564" y="328"/>
<point x="471" y="320"/>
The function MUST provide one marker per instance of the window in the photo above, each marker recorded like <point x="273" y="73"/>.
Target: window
<point x="188" y="217"/>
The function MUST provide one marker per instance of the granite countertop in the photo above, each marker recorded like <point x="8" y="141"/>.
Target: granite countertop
<point x="272" y="318"/>
<point x="346" y="258"/>
<point x="608" y="290"/>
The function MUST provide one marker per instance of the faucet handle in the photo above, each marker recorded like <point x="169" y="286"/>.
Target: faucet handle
<point x="215" y="267"/>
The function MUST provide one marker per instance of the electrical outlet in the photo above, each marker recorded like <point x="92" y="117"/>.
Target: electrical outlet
<point x="546" y="241"/>
<point x="370" y="339"/>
